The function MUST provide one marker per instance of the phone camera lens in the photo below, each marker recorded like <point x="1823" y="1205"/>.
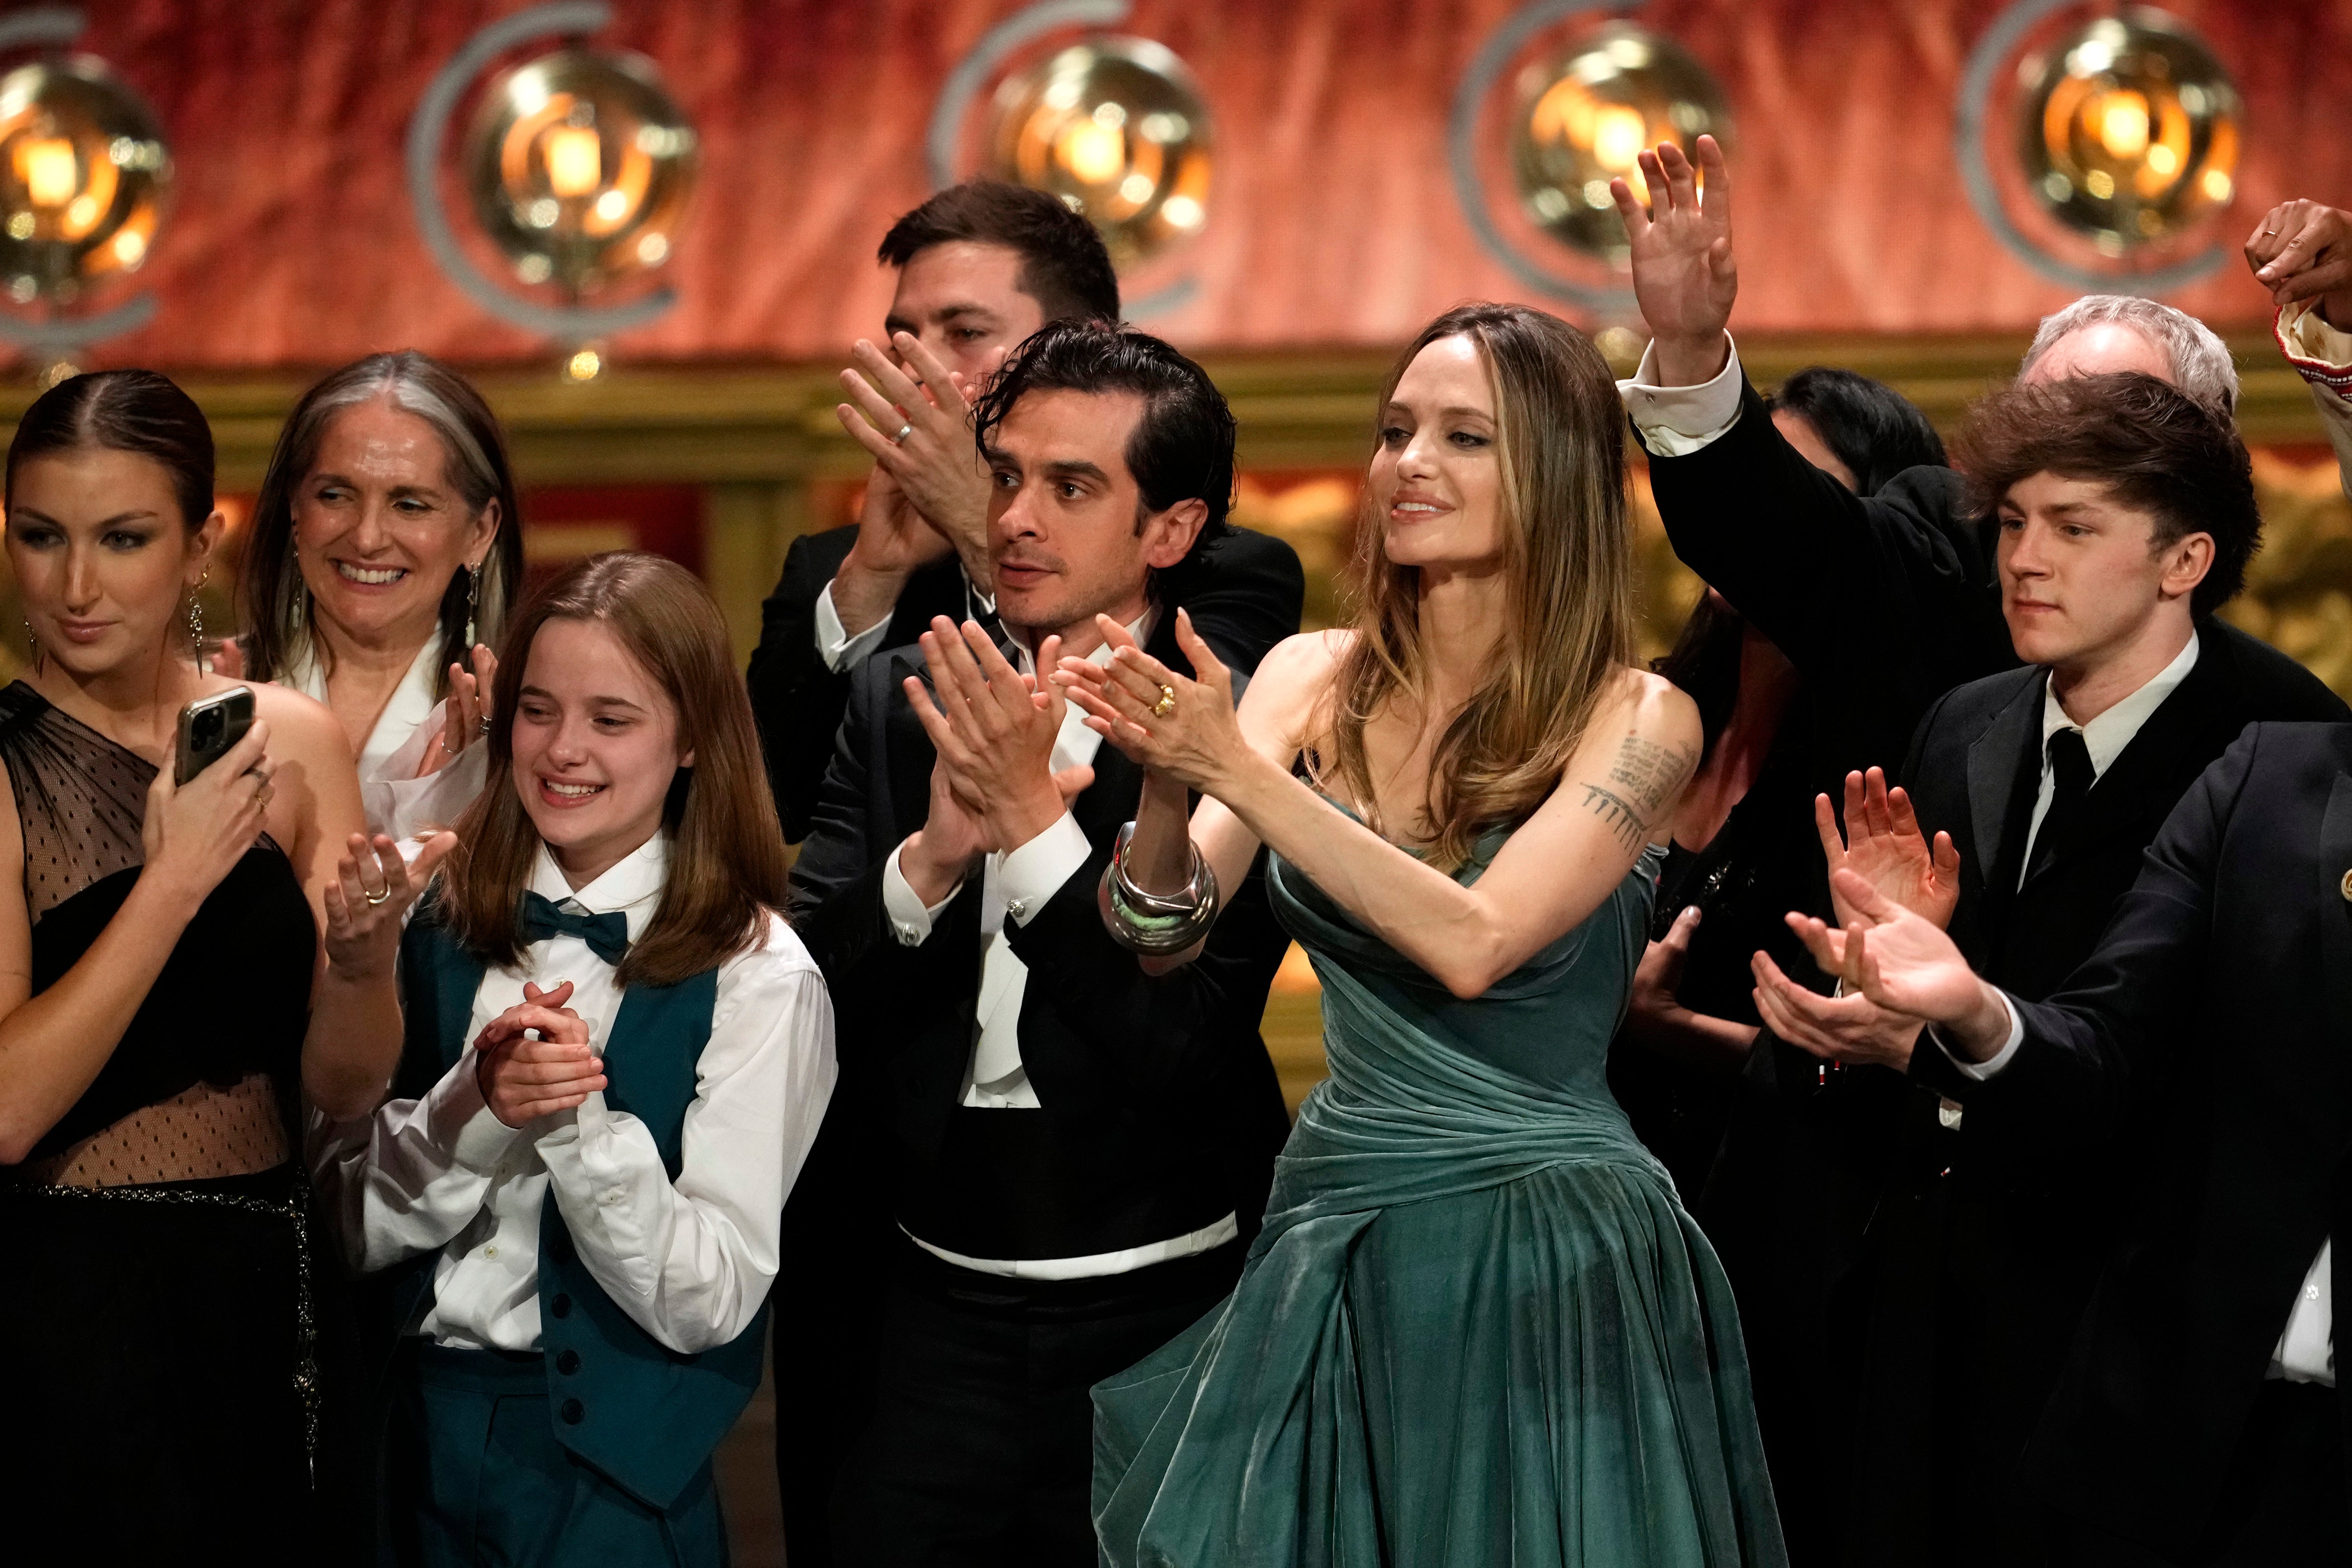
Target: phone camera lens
<point x="208" y="727"/>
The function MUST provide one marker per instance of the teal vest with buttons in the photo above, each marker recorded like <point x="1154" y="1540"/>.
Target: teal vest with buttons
<point x="641" y="1413"/>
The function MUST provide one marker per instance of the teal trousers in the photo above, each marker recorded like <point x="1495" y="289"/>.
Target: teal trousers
<point x="477" y="1479"/>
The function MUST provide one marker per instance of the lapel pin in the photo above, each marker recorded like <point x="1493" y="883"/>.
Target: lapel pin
<point x="2345" y="887"/>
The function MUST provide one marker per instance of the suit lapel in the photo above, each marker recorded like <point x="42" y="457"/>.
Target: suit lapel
<point x="1995" y="758"/>
<point x="910" y="754"/>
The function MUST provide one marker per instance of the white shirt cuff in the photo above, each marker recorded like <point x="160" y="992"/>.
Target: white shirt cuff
<point x="1675" y="421"/>
<point x="839" y="650"/>
<point x="2001" y="1058"/>
<point x="910" y="918"/>
<point x="1034" y="873"/>
<point x="463" y="1122"/>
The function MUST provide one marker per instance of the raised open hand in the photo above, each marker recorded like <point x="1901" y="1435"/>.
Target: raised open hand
<point x="994" y="728"/>
<point x="465" y="716"/>
<point x="1182" y="728"/>
<point x="1883" y="844"/>
<point x="1897" y="959"/>
<point x="935" y="464"/>
<point x="372" y="891"/>
<point x="2302" y="250"/>
<point x="1684" y="277"/>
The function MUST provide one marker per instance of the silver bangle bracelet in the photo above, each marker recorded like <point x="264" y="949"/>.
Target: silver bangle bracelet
<point x="1156" y="924"/>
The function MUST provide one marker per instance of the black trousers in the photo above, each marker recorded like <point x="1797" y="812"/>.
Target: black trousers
<point x="980" y="1447"/>
<point x="2283" y="1502"/>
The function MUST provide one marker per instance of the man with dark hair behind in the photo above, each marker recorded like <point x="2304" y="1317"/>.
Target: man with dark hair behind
<point x="1065" y="1172"/>
<point x="2126" y="516"/>
<point x="980" y="266"/>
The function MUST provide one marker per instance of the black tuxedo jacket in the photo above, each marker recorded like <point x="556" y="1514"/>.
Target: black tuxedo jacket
<point x="1980" y="1254"/>
<point x="1245" y="591"/>
<point x="2210" y="1025"/>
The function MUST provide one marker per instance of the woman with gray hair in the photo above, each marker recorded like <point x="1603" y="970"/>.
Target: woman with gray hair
<point x="384" y="549"/>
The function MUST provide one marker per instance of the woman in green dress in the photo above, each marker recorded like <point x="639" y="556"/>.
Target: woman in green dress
<point x="1477" y="1327"/>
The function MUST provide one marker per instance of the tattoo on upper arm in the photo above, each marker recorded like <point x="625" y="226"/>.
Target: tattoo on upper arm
<point x="1645" y="776"/>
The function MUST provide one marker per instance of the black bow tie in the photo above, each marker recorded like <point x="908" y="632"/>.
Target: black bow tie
<point x="607" y="936"/>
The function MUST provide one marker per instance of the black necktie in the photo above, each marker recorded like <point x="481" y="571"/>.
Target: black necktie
<point x="607" y="936"/>
<point x="2070" y="767"/>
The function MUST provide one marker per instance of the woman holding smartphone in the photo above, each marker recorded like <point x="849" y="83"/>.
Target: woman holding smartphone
<point x="183" y="965"/>
<point x="618" y="1054"/>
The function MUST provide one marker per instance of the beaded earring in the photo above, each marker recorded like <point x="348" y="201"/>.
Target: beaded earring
<point x="33" y="646"/>
<point x="196" y="621"/>
<point x="473" y="593"/>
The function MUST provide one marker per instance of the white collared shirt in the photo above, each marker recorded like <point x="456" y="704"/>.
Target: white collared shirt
<point x="842" y="651"/>
<point x="690" y="1261"/>
<point x="398" y="804"/>
<point x="1675" y="421"/>
<point x="2104" y="737"/>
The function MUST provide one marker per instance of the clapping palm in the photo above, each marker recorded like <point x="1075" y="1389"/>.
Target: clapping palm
<point x="1883" y="844"/>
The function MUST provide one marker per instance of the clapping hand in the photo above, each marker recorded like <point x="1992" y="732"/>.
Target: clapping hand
<point x="372" y="891"/>
<point x="994" y="729"/>
<point x="1884" y="845"/>
<point x="1905" y="963"/>
<point x="1684" y="279"/>
<point x="935" y="466"/>
<point x="523" y="1079"/>
<point x="467" y="715"/>
<point x="1180" y="729"/>
<point x="1851" y="1029"/>
<point x="2300" y="252"/>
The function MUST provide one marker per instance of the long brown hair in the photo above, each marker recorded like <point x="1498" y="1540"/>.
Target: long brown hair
<point x="1568" y="559"/>
<point x="727" y="861"/>
<point x="272" y="599"/>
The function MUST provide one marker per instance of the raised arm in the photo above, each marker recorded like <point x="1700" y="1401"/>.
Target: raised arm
<point x="1637" y="753"/>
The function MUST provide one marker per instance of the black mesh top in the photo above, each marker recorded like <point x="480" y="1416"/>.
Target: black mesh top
<point x="234" y="998"/>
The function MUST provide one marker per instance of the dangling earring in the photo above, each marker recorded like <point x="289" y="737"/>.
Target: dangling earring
<point x="196" y="622"/>
<point x="301" y="589"/>
<point x="33" y="646"/>
<point x="473" y="593"/>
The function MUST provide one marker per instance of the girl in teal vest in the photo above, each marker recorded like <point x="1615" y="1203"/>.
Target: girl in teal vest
<point x="617" y="1056"/>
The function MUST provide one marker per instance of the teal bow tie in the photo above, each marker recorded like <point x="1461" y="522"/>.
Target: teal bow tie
<point x="607" y="936"/>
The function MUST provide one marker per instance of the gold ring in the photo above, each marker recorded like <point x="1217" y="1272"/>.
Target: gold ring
<point x="1167" y="703"/>
<point x="374" y="899"/>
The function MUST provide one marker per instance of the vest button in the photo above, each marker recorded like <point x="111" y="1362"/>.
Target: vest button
<point x="574" y="1412"/>
<point x="560" y="1306"/>
<point x="568" y="1363"/>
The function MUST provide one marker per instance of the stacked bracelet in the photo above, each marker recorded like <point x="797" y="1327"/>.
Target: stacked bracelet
<point x="1156" y="924"/>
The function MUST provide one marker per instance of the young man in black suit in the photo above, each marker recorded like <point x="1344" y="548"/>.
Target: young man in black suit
<point x="980" y="266"/>
<point x="2126" y="515"/>
<point x="1071" y="1154"/>
<point x="2198" y="1419"/>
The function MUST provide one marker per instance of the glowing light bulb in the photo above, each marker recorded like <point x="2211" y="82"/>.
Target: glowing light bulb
<point x="1093" y="151"/>
<point x="575" y="161"/>
<point x="1618" y="134"/>
<point x="2123" y="124"/>
<point x="48" y="167"/>
<point x="585" y="365"/>
<point x="2163" y="159"/>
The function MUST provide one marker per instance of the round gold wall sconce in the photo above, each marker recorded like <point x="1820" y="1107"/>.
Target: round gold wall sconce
<point x="1584" y="117"/>
<point x="2124" y="139"/>
<point x="1117" y="128"/>
<point x="578" y="168"/>
<point x="85" y="180"/>
<point x="2131" y="133"/>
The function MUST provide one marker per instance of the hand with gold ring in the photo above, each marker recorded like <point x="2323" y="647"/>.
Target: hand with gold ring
<point x="466" y="715"/>
<point x="1182" y="728"/>
<point x="2302" y="250"/>
<point x="193" y="833"/>
<point x="370" y="892"/>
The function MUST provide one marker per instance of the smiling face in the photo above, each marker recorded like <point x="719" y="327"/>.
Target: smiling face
<point x="1067" y="528"/>
<point x="963" y="299"/>
<point x="1436" y="482"/>
<point x="2081" y="574"/>
<point x="379" y="529"/>
<point x="595" y="743"/>
<point x="103" y="560"/>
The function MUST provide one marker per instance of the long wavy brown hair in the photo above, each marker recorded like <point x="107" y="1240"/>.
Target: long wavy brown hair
<point x="727" y="864"/>
<point x="1568" y="558"/>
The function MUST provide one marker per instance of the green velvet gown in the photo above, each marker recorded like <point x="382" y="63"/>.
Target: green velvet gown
<point x="1477" y="1329"/>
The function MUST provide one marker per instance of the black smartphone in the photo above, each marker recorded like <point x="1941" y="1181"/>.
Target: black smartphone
<point x="209" y="726"/>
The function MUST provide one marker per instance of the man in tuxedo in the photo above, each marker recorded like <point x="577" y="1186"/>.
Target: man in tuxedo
<point x="1070" y="1154"/>
<point x="2196" y="1420"/>
<point x="980" y="266"/>
<point x="2127" y="514"/>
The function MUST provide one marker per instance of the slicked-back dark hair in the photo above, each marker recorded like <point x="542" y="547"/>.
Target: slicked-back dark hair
<point x="1182" y="448"/>
<point x="2156" y="449"/>
<point x="1064" y="266"/>
<point x="124" y="411"/>
<point x="1872" y="429"/>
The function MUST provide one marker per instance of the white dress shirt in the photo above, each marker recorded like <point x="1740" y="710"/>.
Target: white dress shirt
<point x="841" y="651"/>
<point x="398" y="804"/>
<point x="691" y="1260"/>
<point x="1675" y="421"/>
<point x="1016" y="884"/>
<point x="2104" y="737"/>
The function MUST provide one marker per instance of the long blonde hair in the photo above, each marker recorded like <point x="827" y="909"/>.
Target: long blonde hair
<point x="1568" y="559"/>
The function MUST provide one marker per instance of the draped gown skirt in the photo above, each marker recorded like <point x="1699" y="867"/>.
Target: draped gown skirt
<point x="1477" y="1329"/>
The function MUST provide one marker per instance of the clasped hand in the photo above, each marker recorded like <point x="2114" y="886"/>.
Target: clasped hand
<point x="534" y="1058"/>
<point x="1882" y="848"/>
